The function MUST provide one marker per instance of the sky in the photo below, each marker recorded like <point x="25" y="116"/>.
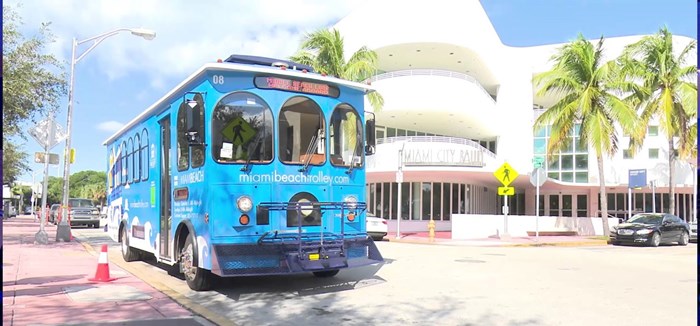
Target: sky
<point x="124" y="74"/>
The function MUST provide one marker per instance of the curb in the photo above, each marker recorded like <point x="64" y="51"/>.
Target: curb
<point x="512" y="245"/>
<point x="188" y="304"/>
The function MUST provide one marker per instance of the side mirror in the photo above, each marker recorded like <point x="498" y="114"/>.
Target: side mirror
<point x="370" y="132"/>
<point x="194" y="117"/>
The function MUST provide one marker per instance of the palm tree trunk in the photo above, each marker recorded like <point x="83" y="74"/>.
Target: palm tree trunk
<point x="603" y="197"/>
<point x="671" y="184"/>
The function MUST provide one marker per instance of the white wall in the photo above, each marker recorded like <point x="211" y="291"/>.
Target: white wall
<point x="472" y="226"/>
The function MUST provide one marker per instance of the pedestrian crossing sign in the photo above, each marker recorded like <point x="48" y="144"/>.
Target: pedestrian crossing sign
<point x="506" y="174"/>
<point x="238" y="131"/>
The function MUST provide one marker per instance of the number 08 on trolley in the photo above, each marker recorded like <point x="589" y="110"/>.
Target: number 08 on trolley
<point x="250" y="166"/>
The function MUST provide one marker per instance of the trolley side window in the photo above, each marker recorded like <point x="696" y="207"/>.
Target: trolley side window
<point x="345" y="137"/>
<point x="242" y="129"/>
<point x="183" y="148"/>
<point x="302" y="132"/>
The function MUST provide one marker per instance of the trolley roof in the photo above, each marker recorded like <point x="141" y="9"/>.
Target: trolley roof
<point x="228" y="66"/>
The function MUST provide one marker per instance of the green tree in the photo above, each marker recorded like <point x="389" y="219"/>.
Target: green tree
<point x="586" y="89"/>
<point x="32" y="86"/>
<point x="324" y="51"/>
<point x="664" y="91"/>
<point x="54" y="191"/>
<point x="81" y="183"/>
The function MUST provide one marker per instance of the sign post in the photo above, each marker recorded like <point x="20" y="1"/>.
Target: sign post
<point x="48" y="134"/>
<point x="537" y="179"/>
<point x="637" y="179"/>
<point x="399" y="180"/>
<point x="505" y="174"/>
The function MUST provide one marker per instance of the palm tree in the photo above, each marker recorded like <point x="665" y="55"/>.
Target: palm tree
<point x="665" y="91"/>
<point x="587" y="97"/>
<point x="324" y="51"/>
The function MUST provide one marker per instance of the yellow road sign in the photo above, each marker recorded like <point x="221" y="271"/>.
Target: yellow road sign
<point x="238" y="131"/>
<point x="502" y="191"/>
<point x="506" y="174"/>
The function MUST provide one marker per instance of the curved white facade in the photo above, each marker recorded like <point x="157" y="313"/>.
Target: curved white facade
<point x="446" y="79"/>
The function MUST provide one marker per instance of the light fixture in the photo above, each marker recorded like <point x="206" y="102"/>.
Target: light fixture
<point x="147" y="34"/>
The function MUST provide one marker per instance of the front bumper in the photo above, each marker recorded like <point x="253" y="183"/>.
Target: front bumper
<point x="633" y="238"/>
<point x="284" y="256"/>
<point x="79" y="219"/>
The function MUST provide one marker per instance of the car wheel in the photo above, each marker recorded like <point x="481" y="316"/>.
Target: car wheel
<point x="324" y="274"/>
<point x="655" y="239"/>
<point x="128" y="253"/>
<point x="198" y="279"/>
<point x="683" y="240"/>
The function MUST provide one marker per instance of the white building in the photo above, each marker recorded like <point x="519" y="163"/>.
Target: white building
<point x="460" y="103"/>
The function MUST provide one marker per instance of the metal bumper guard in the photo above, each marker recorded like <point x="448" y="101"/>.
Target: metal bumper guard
<point x="283" y="253"/>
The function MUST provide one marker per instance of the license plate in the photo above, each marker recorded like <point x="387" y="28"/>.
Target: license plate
<point x="375" y="223"/>
<point x="314" y="256"/>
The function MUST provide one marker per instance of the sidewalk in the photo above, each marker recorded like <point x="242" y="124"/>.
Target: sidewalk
<point x="48" y="285"/>
<point x="445" y="238"/>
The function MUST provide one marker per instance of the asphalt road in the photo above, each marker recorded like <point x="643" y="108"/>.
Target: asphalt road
<point x="455" y="285"/>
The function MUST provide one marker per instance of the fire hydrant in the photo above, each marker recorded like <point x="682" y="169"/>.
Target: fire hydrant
<point x="431" y="230"/>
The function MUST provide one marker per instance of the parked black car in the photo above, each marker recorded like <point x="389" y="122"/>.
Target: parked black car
<point x="651" y="229"/>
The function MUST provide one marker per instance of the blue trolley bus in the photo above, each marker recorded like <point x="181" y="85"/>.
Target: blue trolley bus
<point x="251" y="166"/>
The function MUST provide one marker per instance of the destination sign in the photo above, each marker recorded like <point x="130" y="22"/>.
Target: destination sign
<point x="296" y="86"/>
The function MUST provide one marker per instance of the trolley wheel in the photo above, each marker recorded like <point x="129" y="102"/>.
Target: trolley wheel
<point x="329" y="273"/>
<point x="198" y="279"/>
<point x="128" y="253"/>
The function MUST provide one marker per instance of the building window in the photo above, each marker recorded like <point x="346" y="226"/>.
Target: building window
<point x="581" y="205"/>
<point x="653" y="153"/>
<point x="626" y="154"/>
<point x="653" y="131"/>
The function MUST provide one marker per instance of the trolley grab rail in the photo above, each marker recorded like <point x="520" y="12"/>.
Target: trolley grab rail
<point x="357" y="208"/>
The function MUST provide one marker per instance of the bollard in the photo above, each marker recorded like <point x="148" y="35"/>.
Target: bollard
<point x="431" y="230"/>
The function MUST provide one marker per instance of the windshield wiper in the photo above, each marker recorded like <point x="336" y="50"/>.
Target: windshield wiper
<point x="251" y="148"/>
<point x="311" y="148"/>
<point x="352" y="159"/>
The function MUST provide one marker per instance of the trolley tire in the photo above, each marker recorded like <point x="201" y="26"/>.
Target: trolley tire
<point x="198" y="279"/>
<point x="128" y="253"/>
<point x="324" y="274"/>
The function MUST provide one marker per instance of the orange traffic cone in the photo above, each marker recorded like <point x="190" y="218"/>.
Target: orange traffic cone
<point x="102" y="273"/>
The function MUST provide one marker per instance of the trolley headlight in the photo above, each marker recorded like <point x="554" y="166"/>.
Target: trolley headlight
<point x="306" y="203"/>
<point x="245" y="204"/>
<point x="351" y="200"/>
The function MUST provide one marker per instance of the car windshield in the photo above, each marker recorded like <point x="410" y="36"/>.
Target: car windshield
<point x="80" y="203"/>
<point x="646" y="219"/>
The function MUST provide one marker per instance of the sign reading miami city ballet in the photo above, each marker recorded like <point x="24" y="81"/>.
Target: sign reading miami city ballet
<point x="446" y="156"/>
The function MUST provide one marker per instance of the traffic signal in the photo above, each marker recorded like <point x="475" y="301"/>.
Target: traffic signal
<point x="72" y="155"/>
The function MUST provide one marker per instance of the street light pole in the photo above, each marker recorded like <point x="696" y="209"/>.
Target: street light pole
<point x="63" y="230"/>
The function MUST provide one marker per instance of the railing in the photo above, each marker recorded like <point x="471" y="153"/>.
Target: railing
<point x="437" y="139"/>
<point x="431" y="72"/>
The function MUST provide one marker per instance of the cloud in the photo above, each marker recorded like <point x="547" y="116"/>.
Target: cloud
<point x="111" y="126"/>
<point x="188" y="34"/>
